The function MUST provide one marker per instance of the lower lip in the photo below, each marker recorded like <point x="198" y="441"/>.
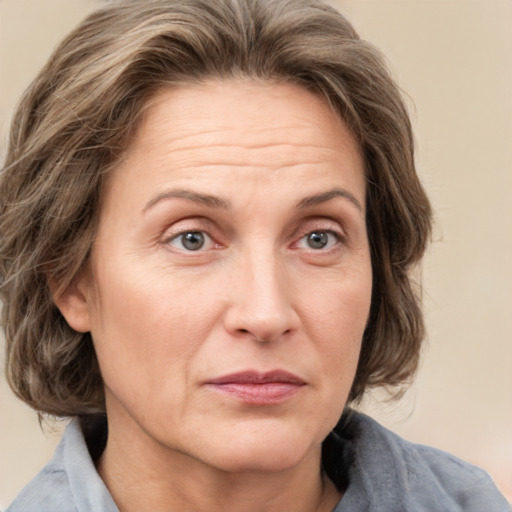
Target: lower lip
<point x="258" y="394"/>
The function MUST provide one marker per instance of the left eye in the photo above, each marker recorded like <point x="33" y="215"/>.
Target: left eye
<point x="321" y="239"/>
<point x="191" y="241"/>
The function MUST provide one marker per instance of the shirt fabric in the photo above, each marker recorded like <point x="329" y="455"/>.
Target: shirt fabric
<point x="377" y="470"/>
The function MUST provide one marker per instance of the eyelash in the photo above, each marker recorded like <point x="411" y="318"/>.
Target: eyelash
<point x="180" y="236"/>
<point x="332" y="238"/>
<point x="324" y="234"/>
<point x="330" y="234"/>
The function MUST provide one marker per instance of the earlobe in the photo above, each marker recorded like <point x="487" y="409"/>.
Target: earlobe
<point x="73" y="303"/>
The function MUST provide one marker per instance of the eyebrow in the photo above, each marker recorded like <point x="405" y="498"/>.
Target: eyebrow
<point x="204" y="199"/>
<point x="218" y="203"/>
<point x="323" y="197"/>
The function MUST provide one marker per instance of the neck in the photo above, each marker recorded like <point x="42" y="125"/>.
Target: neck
<point x="149" y="478"/>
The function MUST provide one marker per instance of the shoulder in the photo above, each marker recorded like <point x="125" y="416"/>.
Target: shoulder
<point x="68" y="483"/>
<point x="49" y="490"/>
<point x="392" y="470"/>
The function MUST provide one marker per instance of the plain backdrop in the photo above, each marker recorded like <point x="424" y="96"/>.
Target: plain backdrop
<point x="453" y="59"/>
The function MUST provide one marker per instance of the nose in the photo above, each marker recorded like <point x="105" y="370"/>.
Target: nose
<point x="261" y="300"/>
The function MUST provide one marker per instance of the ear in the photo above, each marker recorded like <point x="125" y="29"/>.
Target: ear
<point x="74" y="303"/>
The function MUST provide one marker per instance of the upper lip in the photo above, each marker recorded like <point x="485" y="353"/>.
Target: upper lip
<point x="256" y="377"/>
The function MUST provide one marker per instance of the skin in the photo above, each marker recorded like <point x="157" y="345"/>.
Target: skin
<point x="236" y="162"/>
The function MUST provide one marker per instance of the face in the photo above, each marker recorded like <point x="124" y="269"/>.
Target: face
<point x="231" y="276"/>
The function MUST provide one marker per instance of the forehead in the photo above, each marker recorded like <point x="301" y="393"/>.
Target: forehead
<point x="221" y="130"/>
<point x="254" y="113"/>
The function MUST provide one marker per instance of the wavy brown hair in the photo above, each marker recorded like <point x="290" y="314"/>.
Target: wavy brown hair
<point x="78" y="116"/>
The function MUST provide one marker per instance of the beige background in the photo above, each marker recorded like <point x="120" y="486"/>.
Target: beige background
<point x="454" y="58"/>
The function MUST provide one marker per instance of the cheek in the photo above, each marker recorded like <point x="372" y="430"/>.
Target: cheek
<point x="151" y="323"/>
<point x="340" y="303"/>
<point x="339" y="322"/>
<point x="145" y="329"/>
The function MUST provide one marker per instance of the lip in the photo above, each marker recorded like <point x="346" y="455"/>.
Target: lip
<point x="258" y="388"/>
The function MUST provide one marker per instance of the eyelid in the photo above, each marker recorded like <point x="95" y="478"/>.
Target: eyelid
<point x="319" y="224"/>
<point x="190" y="225"/>
<point x="209" y="243"/>
<point x="337" y="236"/>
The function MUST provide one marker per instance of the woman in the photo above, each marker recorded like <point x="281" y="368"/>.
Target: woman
<point x="209" y="217"/>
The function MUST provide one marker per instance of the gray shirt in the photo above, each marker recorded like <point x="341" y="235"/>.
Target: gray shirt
<point x="379" y="471"/>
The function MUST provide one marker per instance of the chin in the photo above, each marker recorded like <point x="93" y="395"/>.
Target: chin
<point x="261" y="461"/>
<point x="264" y="453"/>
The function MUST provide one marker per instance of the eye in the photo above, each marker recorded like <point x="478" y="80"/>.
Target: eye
<point x="191" y="241"/>
<point x="319" y="239"/>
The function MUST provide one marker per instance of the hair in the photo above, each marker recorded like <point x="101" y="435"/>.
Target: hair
<point x="81" y="112"/>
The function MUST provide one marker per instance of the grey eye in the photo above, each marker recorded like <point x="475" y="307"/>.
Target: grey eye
<point x="190" y="240"/>
<point x="317" y="239"/>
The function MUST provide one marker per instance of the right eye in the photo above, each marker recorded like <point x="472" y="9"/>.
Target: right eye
<point x="191" y="241"/>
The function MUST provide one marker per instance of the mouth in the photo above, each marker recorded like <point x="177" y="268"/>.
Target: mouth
<point x="256" y="388"/>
